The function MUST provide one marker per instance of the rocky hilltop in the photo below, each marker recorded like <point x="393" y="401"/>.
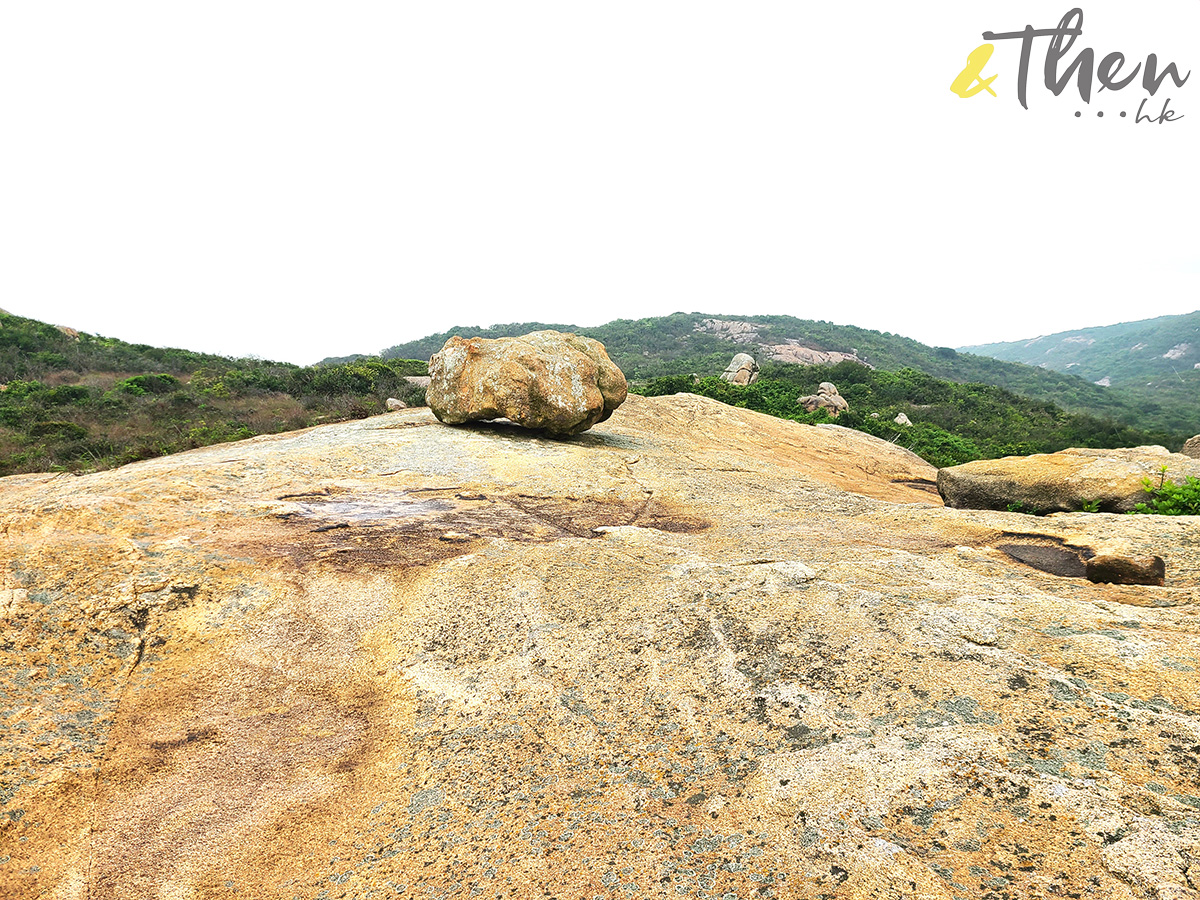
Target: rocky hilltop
<point x="695" y="651"/>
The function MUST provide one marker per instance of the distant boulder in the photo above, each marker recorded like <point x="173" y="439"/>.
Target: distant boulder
<point x="902" y="419"/>
<point x="558" y="383"/>
<point x="827" y="398"/>
<point x="1192" y="447"/>
<point x="1075" y="479"/>
<point x="742" y="369"/>
<point x="394" y="404"/>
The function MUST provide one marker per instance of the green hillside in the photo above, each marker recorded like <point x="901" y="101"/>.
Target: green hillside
<point x="673" y="345"/>
<point x="71" y="401"/>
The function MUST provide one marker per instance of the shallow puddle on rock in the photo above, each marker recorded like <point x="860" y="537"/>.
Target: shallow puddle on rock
<point x="375" y="508"/>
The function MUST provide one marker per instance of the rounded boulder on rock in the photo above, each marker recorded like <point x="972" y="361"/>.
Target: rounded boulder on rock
<point x="559" y="383"/>
<point x="742" y="369"/>
<point x="827" y="398"/>
<point x="1192" y="447"/>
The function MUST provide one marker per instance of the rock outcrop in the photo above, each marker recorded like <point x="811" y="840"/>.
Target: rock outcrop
<point x="791" y="351"/>
<point x="827" y="398"/>
<point x="731" y="329"/>
<point x="902" y="419"/>
<point x="697" y="651"/>
<point x="393" y="404"/>
<point x="1074" y="479"/>
<point x="742" y="369"/>
<point x="562" y="384"/>
<point x="1192" y="447"/>
<point x="798" y="354"/>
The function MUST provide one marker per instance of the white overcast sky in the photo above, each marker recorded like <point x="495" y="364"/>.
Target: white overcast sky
<point x="298" y="180"/>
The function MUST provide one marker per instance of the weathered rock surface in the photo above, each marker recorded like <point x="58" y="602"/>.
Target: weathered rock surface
<point x="742" y="369"/>
<point x="902" y="419"/>
<point x="696" y="651"/>
<point x="1063" y="481"/>
<point x="393" y="404"/>
<point x="1192" y="447"/>
<point x="562" y="384"/>
<point x="826" y="397"/>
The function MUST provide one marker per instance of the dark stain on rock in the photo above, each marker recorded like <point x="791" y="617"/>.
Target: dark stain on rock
<point x="194" y="735"/>
<point x="389" y="530"/>
<point x="1047" y="554"/>
<point x="802" y="737"/>
<point x="918" y="484"/>
<point x="581" y="516"/>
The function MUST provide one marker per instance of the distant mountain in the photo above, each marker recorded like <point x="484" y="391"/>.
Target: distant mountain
<point x="1155" y="361"/>
<point x="704" y="343"/>
<point x="1132" y="353"/>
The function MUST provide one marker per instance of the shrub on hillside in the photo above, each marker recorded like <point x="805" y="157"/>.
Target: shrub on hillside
<point x="139" y="385"/>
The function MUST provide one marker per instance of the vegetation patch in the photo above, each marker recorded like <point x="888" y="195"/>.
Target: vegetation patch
<point x="1170" y="499"/>
<point x="79" y="402"/>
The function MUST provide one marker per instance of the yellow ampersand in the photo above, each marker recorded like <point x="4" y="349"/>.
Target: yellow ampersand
<point x="964" y="85"/>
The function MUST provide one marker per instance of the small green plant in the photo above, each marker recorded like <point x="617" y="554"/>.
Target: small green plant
<point x="1019" y="507"/>
<point x="1169" y="499"/>
<point x="1091" y="506"/>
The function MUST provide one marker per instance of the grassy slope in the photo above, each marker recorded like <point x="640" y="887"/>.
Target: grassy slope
<point x="74" y="401"/>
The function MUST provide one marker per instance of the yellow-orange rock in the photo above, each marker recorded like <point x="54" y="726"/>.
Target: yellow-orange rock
<point x="562" y="384"/>
<point x="1073" y="479"/>
<point x="694" y="652"/>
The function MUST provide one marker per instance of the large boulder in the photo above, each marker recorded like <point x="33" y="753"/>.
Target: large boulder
<point x="742" y="369"/>
<point x="558" y="383"/>
<point x="1192" y="447"/>
<point x="827" y="398"/>
<point x="1074" y="479"/>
